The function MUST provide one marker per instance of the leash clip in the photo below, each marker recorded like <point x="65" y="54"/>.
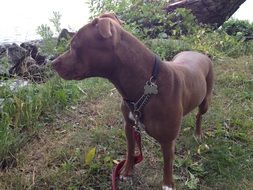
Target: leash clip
<point x="137" y="125"/>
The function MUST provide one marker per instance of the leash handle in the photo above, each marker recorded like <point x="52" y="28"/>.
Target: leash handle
<point x="137" y="159"/>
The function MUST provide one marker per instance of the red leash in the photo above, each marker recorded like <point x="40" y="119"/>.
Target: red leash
<point x="150" y="88"/>
<point x="137" y="159"/>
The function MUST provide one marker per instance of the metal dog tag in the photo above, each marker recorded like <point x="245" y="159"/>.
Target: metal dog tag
<point x="150" y="88"/>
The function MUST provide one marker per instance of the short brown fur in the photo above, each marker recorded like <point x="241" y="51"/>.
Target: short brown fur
<point x="103" y="48"/>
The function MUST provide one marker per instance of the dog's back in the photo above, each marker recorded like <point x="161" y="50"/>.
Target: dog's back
<point x="196" y="71"/>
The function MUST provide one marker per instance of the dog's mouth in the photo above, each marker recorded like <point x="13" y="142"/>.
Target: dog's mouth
<point x="69" y="75"/>
<point x="61" y="70"/>
<point x="63" y="75"/>
<point x="78" y="78"/>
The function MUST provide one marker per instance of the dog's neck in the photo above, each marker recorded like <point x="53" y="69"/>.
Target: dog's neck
<point x="134" y="63"/>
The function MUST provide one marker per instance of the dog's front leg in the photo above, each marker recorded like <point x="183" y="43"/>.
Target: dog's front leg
<point x="129" y="164"/>
<point x="168" y="156"/>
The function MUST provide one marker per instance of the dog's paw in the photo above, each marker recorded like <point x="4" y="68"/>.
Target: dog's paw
<point x="199" y="137"/>
<point x="126" y="182"/>
<point x="164" y="187"/>
<point x="125" y="178"/>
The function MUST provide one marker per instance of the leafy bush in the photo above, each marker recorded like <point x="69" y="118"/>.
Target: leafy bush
<point x="213" y="43"/>
<point x="167" y="48"/>
<point x="218" y="43"/>
<point x="239" y="28"/>
<point x="148" y="19"/>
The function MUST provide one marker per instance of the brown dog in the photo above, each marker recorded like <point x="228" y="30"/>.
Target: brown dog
<point x="103" y="48"/>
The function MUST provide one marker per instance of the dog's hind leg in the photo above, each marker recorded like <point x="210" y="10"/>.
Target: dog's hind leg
<point x="203" y="107"/>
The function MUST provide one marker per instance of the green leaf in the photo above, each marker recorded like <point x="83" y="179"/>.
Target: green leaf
<point x="90" y="156"/>
<point x="192" y="183"/>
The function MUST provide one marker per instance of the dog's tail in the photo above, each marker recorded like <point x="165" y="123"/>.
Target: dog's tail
<point x="209" y="82"/>
<point x="203" y="107"/>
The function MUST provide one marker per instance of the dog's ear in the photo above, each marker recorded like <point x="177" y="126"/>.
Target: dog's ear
<point x="113" y="16"/>
<point x="104" y="27"/>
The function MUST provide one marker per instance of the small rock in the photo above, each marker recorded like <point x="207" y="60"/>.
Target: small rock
<point x="31" y="48"/>
<point x="16" y="54"/>
<point x="34" y="53"/>
<point x="64" y="34"/>
<point x="40" y="59"/>
<point x="18" y="84"/>
<point x="2" y="51"/>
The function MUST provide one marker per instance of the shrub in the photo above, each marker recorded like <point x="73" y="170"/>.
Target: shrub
<point x="239" y="28"/>
<point x="213" y="43"/>
<point x="218" y="43"/>
<point x="148" y="19"/>
<point x="167" y="48"/>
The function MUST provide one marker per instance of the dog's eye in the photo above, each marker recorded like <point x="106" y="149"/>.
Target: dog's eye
<point x="72" y="45"/>
<point x="74" y="50"/>
<point x="75" y="42"/>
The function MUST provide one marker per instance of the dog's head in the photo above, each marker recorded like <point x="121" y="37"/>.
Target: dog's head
<point x="91" y="49"/>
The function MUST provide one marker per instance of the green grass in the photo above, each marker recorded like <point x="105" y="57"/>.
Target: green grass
<point x="54" y="156"/>
<point x="27" y="109"/>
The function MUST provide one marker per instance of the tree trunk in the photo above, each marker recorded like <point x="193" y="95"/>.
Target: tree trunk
<point x="212" y="12"/>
